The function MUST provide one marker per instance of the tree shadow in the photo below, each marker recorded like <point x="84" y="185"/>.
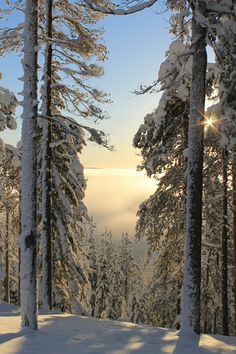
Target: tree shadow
<point x="73" y="334"/>
<point x="8" y="310"/>
<point x="6" y="337"/>
<point x="204" y="344"/>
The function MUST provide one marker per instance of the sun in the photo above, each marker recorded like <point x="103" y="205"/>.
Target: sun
<point x="209" y="122"/>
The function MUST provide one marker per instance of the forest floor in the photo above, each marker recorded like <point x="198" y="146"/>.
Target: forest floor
<point x="71" y="334"/>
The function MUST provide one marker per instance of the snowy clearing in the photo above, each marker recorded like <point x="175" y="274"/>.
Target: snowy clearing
<point x="71" y="334"/>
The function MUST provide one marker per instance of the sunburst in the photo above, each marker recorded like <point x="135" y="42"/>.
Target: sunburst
<point x="210" y="122"/>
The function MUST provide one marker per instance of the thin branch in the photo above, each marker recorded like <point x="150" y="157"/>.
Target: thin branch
<point x="118" y="11"/>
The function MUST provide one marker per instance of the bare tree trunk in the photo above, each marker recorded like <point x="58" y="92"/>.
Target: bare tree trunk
<point x="224" y="258"/>
<point x="234" y="229"/>
<point x="19" y="256"/>
<point x="19" y="253"/>
<point x="7" y="278"/>
<point x="46" y="235"/>
<point x="28" y="242"/>
<point x="192" y="265"/>
<point x="207" y="298"/>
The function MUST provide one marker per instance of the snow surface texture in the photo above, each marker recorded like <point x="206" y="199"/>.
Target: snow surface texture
<point x="70" y="334"/>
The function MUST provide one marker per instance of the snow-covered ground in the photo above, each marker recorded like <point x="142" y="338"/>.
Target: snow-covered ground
<point x="70" y="334"/>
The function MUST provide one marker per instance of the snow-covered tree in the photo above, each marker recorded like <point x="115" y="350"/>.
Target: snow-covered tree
<point x="9" y="181"/>
<point x="225" y="32"/>
<point x="92" y="253"/>
<point x="9" y="209"/>
<point x="72" y="55"/>
<point x="69" y="259"/>
<point x="120" y="289"/>
<point x="190" y="307"/>
<point x="163" y="140"/>
<point x="132" y="287"/>
<point x="163" y="143"/>
<point x="8" y="103"/>
<point x="72" y="52"/>
<point x="105" y="274"/>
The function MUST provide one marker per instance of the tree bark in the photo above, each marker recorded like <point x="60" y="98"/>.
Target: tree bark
<point x="46" y="235"/>
<point x="234" y="228"/>
<point x="28" y="242"/>
<point x="19" y="256"/>
<point x="7" y="264"/>
<point x="224" y="250"/>
<point x="19" y="252"/>
<point x="192" y="266"/>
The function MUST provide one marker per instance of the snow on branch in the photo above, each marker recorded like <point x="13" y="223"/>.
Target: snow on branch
<point x="8" y="103"/>
<point x="120" y="12"/>
<point x="96" y="136"/>
<point x="178" y="57"/>
<point x="225" y="7"/>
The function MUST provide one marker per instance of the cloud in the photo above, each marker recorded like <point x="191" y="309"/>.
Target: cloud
<point x="113" y="197"/>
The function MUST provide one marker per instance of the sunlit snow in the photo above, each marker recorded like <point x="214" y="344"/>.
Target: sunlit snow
<point x="70" y="334"/>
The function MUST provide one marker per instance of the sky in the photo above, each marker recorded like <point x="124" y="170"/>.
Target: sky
<point x="137" y="46"/>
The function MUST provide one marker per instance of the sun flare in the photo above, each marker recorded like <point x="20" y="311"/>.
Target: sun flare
<point x="209" y="122"/>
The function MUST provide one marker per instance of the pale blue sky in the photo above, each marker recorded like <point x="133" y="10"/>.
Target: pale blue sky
<point x="137" y="46"/>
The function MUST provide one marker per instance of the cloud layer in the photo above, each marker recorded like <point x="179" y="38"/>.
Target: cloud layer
<point x="113" y="197"/>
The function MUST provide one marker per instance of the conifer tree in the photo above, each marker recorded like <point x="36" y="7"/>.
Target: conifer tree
<point x="92" y="252"/>
<point x="9" y="208"/>
<point x="105" y="281"/>
<point x="72" y="59"/>
<point x="72" y="56"/>
<point x="134" y="306"/>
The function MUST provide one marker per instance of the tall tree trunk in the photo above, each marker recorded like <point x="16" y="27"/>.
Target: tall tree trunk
<point x="234" y="228"/>
<point x="185" y="122"/>
<point x="19" y="253"/>
<point x="46" y="235"/>
<point x="29" y="171"/>
<point x="19" y="256"/>
<point x="7" y="278"/>
<point x="224" y="259"/>
<point x="192" y="258"/>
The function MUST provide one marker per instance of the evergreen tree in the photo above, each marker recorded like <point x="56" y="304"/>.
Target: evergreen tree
<point x="9" y="209"/>
<point x="132" y="286"/>
<point x="72" y="55"/>
<point x="92" y="252"/>
<point x="106" y="262"/>
<point x="163" y="143"/>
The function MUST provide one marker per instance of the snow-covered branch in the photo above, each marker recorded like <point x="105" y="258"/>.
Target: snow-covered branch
<point x="95" y="135"/>
<point x="223" y="8"/>
<point x="120" y="12"/>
